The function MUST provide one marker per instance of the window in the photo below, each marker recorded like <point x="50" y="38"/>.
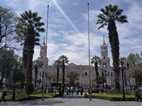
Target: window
<point x="85" y="73"/>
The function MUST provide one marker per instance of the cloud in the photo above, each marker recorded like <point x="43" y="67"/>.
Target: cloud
<point x="130" y="39"/>
<point x="129" y="33"/>
<point x="63" y="37"/>
<point x="76" y="47"/>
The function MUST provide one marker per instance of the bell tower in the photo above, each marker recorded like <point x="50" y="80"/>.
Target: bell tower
<point x="43" y="52"/>
<point x="104" y="49"/>
<point x="105" y="63"/>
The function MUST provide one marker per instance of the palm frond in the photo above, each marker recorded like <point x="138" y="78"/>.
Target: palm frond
<point x="39" y="24"/>
<point x="107" y="8"/>
<point x="122" y="19"/>
<point x="102" y="25"/>
<point x="40" y="29"/>
<point x="37" y="43"/>
<point x="99" y="21"/>
<point x="35" y="14"/>
<point x="37" y="39"/>
<point x="119" y="12"/>
<point x="29" y="20"/>
<point x="114" y="8"/>
<point x="110" y="12"/>
<point x="105" y="12"/>
<point x="37" y="19"/>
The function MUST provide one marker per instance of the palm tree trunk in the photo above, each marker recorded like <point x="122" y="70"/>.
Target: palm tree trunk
<point x="63" y="79"/>
<point x="29" y="73"/>
<point x="36" y="73"/>
<point x="24" y="59"/>
<point x="0" y="30"/>
<point x="114" y="42"/>
<point x="28" y="63"/>
<point x="97" y="73"/>
<point x="1" y="80"/>
<point x="57" y="76"/>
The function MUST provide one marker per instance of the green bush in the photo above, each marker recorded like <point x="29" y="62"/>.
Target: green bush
<point x="111" y="97"/>
<point x="29" y="89"/>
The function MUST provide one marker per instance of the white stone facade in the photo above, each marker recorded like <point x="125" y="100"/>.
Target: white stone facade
<point x="42" y="78"/>
<point x="49" y="73"/>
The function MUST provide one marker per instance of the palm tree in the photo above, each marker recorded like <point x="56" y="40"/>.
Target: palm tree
<point x="63" y="60"/>
<point x="108" y="17"/>
<point x="96" y="60"/>
<point x="28" y="27"/>
<point x="57" y="63"/>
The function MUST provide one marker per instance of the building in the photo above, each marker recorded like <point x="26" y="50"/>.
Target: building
<point x="105" y="68"/>
<point x="47" y="74"/>
<point x="40" y="78"/>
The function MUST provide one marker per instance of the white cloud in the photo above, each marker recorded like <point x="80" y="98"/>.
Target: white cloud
<point x="75" y="45"/>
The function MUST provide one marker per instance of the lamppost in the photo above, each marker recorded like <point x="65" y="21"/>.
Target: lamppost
<point x="122" y="63"/>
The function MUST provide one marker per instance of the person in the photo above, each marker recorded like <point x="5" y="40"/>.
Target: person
<point x="67" y="90"/>
<point x="81" y="91"/>
<point x="77" y="91"/>
<point x="72" y="91"/>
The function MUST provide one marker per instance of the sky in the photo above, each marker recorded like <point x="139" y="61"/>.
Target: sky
<point x="68" y="27"/>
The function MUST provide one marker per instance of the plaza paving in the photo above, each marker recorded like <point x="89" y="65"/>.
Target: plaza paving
<point x="70" y="102"/>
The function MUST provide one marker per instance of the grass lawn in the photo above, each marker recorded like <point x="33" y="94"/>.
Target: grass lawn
<point x="21" y="95"/>
<point x="113" y="96"/>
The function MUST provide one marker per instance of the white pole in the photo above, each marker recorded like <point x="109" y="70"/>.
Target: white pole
<point x="90" y="82"/>
<point x="47" y="23"/>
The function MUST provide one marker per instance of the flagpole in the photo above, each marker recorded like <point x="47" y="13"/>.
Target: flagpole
<point x="43" y="84"/>
<point x="90" y="82"/>
<point x="47" y="23"/>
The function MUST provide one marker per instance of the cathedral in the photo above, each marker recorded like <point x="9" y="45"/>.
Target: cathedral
<point x="40" y="78"/>
<point x="46" y="75"/>
<point x="105" y="67"/>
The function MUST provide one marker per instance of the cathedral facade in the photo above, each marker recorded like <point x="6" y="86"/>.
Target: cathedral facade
<point x="40" y="78"/>
<point x="46" y="75"/>
<point x="105" y="68"/>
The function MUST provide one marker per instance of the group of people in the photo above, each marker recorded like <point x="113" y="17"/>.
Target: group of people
<point x="74" y="91"/>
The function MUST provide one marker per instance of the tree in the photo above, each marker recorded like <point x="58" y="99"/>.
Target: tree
<point x="28" y="28"/>
<point x="138" y="75"/>
<point x="57" y="63"/>
<point x="6" y="58"/>
<point x="17" y="75"/>
<point x="108" y="17"/>
<point x="63" y="60"/>
<point x="73" y="76"/>
<point x="96" y="61"/>
<point x="10" y="68"/>
<point x="134" y="61"/>
<point x="7" y="25"/>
